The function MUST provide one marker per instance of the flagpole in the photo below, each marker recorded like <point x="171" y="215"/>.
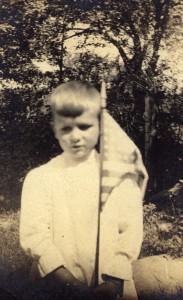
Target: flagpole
<point x="103" y="97"/>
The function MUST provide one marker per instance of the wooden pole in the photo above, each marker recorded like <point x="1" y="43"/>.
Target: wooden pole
<point x="103" y="107"/>
<point x="147" y="128"/>
<point x="149" y="116"/>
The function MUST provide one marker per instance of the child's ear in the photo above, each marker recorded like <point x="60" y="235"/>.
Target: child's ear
<point x="52" y="125"/>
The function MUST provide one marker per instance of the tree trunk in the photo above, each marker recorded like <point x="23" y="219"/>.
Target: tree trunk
<point x="149" y="116"/>
<point x="60" y="63"/>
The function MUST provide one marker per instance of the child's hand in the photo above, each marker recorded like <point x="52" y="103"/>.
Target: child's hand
<point x="76" y="289"/>
<point x="108" y="290"/>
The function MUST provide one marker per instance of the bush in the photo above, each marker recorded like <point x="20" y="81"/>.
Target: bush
<point x="26" y="142"/>
<point x="162" y="232"/>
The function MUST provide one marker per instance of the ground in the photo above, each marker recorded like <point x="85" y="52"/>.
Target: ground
<point x="15" y="265"/>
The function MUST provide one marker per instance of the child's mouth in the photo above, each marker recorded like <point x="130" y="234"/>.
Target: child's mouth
<point x="77" y="146"/>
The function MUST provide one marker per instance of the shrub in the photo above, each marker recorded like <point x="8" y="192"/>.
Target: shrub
<point x="162" y="232"/>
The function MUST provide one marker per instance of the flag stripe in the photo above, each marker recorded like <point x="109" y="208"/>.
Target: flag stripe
<point x="107" y="189"/>
<point x="118" y="167"/>
<point x="111" y="173"/>
<point x="121" y="159"/>
<point x="110" y="181"/>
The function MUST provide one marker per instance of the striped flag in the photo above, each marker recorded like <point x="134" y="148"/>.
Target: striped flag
<point x="120" y="157"/>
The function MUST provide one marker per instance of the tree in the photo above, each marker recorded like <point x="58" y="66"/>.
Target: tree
<point x="40" y="30"/>
<point x="11" y="33"/>
<point x="137" y="33"/>
<point x="48" y="25"/>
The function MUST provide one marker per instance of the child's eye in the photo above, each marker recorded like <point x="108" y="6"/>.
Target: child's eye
<point x="66" y="129"/>
<point x="84" y="127"/>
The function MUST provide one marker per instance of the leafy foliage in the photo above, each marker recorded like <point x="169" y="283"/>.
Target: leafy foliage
<point x="26" y="140"/>
<point x="162" y="231"/>
<point x="136" y="33"/>
<point x="39" y="31"/>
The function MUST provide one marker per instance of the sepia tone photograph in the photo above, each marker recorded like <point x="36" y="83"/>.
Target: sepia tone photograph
<point x="91" y="134"/>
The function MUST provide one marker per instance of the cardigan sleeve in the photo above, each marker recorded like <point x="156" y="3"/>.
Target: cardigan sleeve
<point x="36" y="234"/>
<point x="128" y="201"/>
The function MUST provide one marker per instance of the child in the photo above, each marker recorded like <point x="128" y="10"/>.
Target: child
<point x="59" y="208"/>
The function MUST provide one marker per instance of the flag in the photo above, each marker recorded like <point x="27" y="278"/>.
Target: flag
<point x="120" y="159"/>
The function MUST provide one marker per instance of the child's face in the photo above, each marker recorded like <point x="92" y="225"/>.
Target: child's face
<point x="77" y="136"/>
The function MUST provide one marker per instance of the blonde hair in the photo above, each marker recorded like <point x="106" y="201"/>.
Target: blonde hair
<point x="72" y="98"/>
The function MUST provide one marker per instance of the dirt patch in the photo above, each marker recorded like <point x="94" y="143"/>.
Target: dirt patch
<point x="158" y="273"/>
<point x="5" y="223"/>
<point x="9" y="219"/>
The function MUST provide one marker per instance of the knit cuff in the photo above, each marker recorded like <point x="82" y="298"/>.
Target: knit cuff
<point x="119" y="267"/>
<point x="50" y="260"/>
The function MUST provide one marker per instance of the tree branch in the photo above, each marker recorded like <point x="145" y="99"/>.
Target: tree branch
<point x="135" y="36"/>
<point x="87" y="30"/>
<point x="161" y="18"/>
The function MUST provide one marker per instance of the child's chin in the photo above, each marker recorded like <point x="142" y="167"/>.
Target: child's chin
<point x="80" y="155"/>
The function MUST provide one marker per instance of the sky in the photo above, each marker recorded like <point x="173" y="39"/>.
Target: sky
<point x="172" y="55"/>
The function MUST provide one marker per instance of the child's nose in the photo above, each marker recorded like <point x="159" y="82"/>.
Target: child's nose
<point x="75" y="135"/>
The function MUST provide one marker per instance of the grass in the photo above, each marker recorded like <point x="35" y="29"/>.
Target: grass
<point x="159" y="238"/>
<point x="10" y="251"/>
<point x="14" y="264"/>
<point x="163" y="230"/>
<point x="162" y="296"/>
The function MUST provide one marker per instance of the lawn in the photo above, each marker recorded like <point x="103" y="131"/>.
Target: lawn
<point x="14" y="266"/>
<point x="162" y="235"/>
